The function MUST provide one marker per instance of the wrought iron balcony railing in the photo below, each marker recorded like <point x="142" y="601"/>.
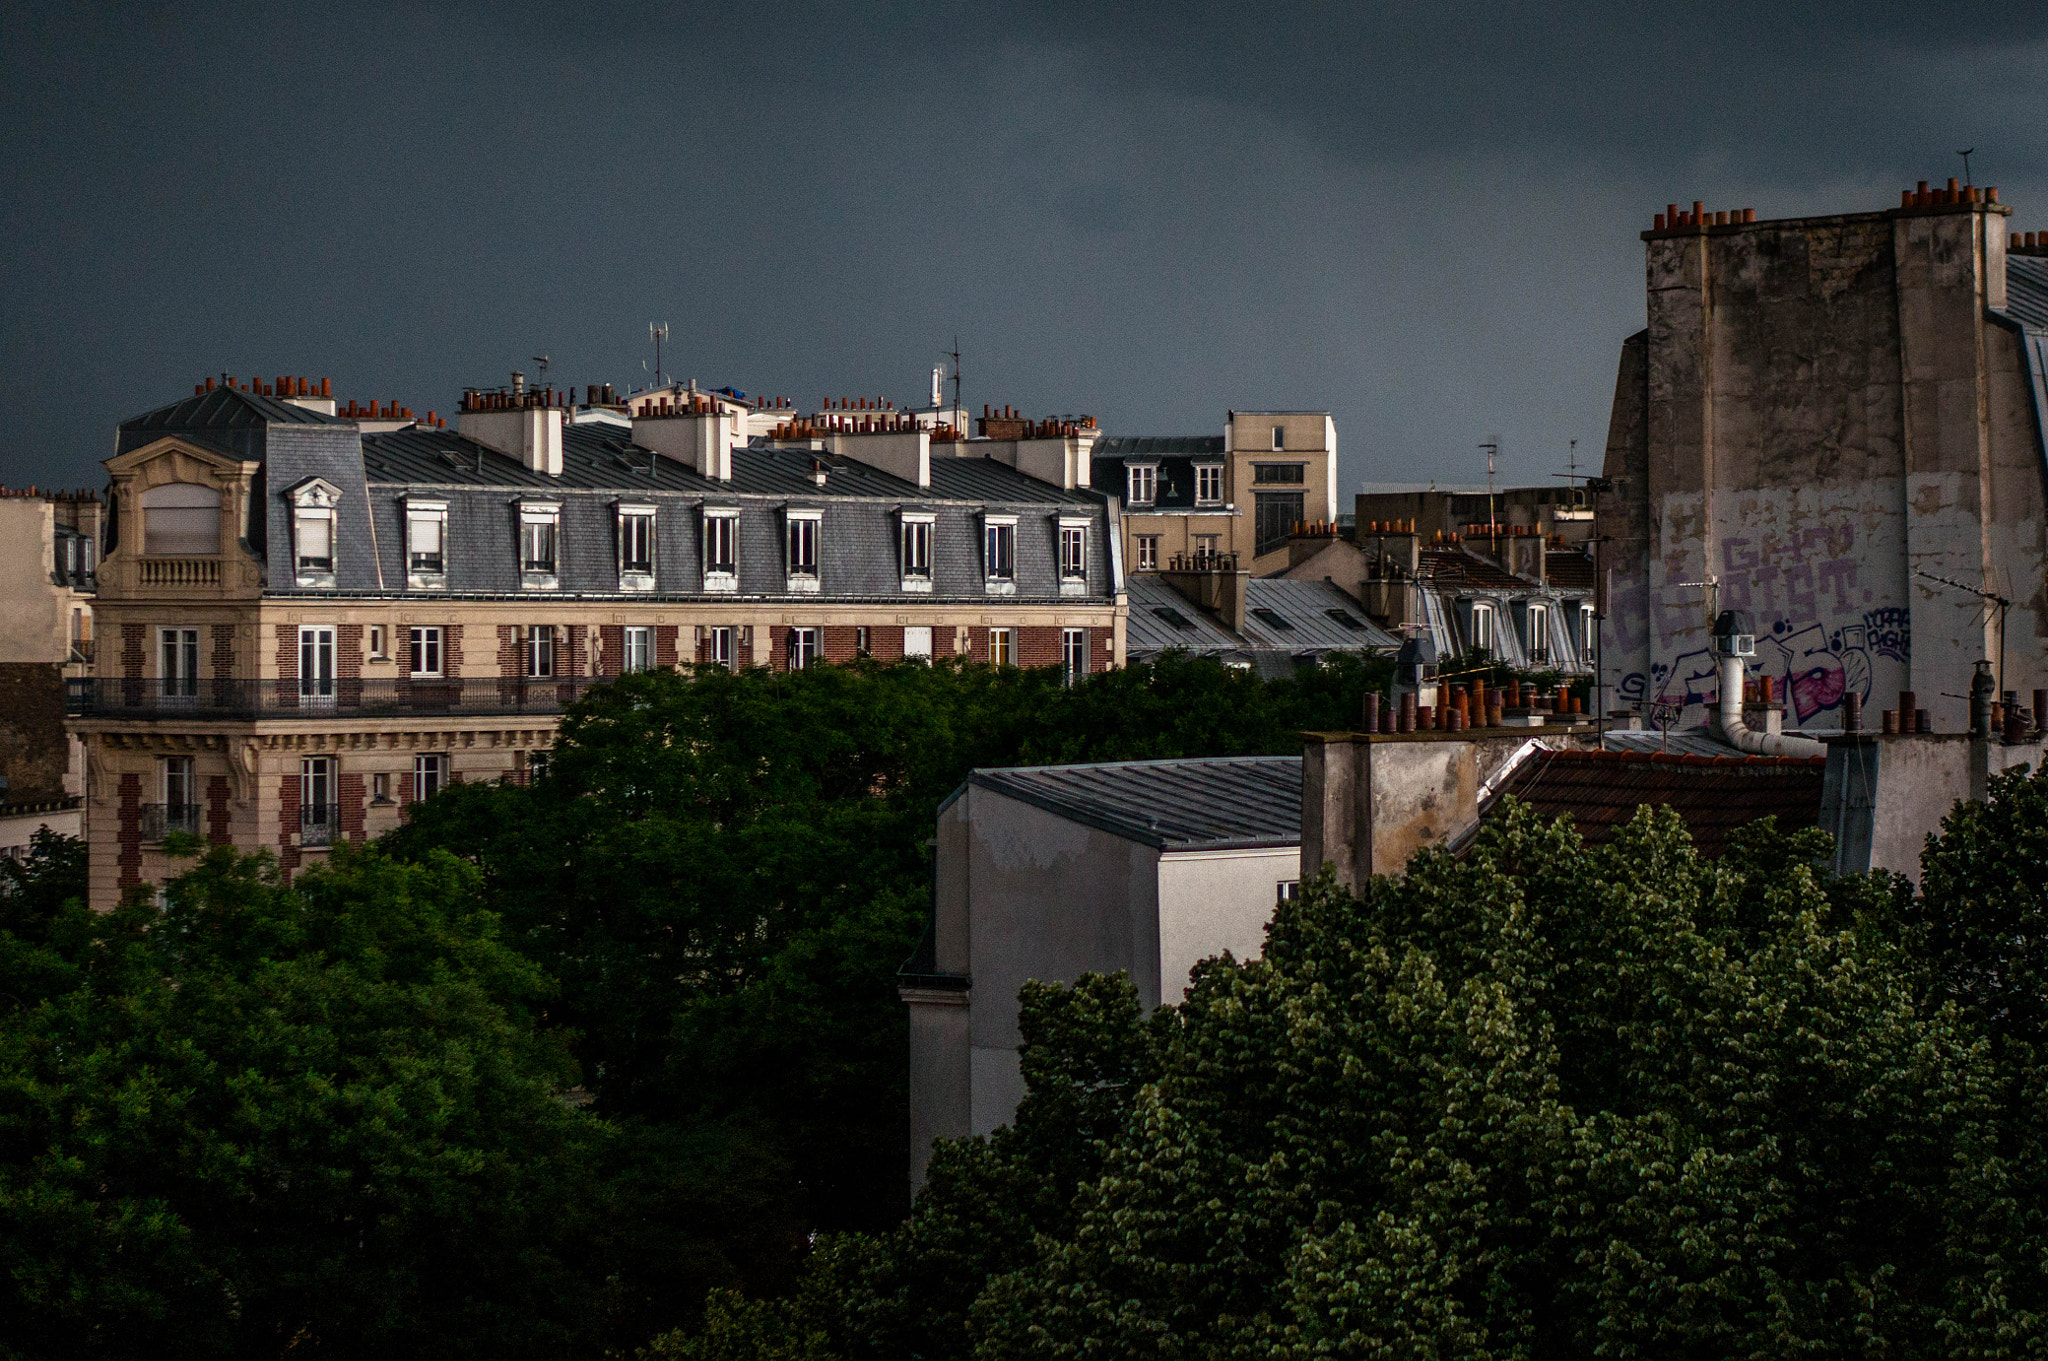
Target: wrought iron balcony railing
<point x="319" y="824"/>
<point x="161" y="819"/>
<point x="223" y="697"/>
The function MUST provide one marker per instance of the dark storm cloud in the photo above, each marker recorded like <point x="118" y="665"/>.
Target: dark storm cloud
<point x="1421" y="217"/>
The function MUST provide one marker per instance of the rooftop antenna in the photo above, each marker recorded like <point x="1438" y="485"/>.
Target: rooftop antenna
<point x="1571" y="473"/>
<point x="1966" y="163"/>
<point x="657" y="332"/>
<point x="542" y="360"/>
<point x="1992" y="600"/>
<point x="954" y="354"/>
<point x="1492" y="447"/>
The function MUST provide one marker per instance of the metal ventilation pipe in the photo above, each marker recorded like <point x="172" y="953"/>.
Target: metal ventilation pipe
<point x="1734" y="640"/>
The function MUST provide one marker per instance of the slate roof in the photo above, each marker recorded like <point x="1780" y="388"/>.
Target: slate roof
<point x="1568" y="569"/>
<point x="2026" y="290"/>
<point x="226" y="409"/>
<point x="1130" y="446"/>
<point x="1601" y="790"/>
<point x="1162" y="619"/>
<point x="1456" y="567"/>
<point x="1224" y="803"/>
<point x="1308" y="616"/>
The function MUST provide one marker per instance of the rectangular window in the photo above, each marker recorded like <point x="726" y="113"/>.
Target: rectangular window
<point x="1279" y="437"/>
<point x="719" y="648"/>
<point x="380" y="788"/>
<point x="803" y="648"/>
<point x="316" y="664"/>
<point x="1002" y="650"/>
<point x="1073" y="551"/>
<point x="1287" y="891"/>
<point x="636" y="543"/>
<point x="536" y="766"/>
<point x="178" y="665"/>
<point x="803" y="546"/>
<point x="1539" y="634"/>
<point x="1272" y="474"/>
<point x="1207" y="545"/>
<point x="1589" y="632"/>
<point x="1275" y="514"/>
<point x="540" y="650"/>
<point x="1148" y="553"/>
<point x="426" y="543"/>
<point x="316" y="540"/>
<point x="1143" y="479"/>
<point x="1074" y="653"/>
<point x="376" y="634"/>
<point x="319" y="813"/>
<point x="1000" y="550"/>
<point x="180" y="795"/>
<point x="721" y="548"/>
<point x="862" y="641"/>
<point x="429" y="775"/>
<point x="537" y="545"/>
<point x="1209" y="484"/>
<point x="917" y="550"/>
<point x="424" y="649"/>
<point x="1482" y="627"/>
<point x="917" y="641"/>
<point x="637" y="649"/>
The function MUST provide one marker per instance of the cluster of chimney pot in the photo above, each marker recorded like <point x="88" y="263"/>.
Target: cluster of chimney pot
<point x="1461" y="707"/>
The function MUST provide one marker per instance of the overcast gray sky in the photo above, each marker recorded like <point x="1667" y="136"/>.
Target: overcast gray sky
<point x="1423" y="218"/>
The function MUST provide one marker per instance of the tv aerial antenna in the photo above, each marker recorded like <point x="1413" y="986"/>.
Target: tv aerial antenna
<point x="1966" y="155"/>
<point x="1992" y="601"/>
<point x="657" y="332"/>
<point x="543" y="361"/>
<point x="1492" y="448"/>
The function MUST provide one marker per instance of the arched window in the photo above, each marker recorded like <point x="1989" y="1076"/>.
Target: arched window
<point x="180" y="519"/>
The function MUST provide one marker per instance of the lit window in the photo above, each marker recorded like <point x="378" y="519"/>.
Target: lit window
<point x="721" y="550"/>
<point x="1001" y="648"/>
<point x="636" y="651"/>
<point x="429" y="775"/>
<point x="180" y="519"/>
<point x="917" y="552"/>
<point x="426" y="543"/>
<point x="803" y="648"/>
<point x="801" y="545"/>
<point x="999" y="554"/>
<point x="539" y="541"/>
<point x="424" y="651"/>
<point x="636" y="548"/>
<point x="1148" y="552"/>
<point x="540" y="650"/>
<point x="1209" y="484"/>
<point x="1144" y="483"/>
<point x="178" y="669"/>
<point x="1074" y="653"/>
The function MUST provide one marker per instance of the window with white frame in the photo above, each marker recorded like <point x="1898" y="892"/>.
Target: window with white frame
<point x="319" y="810"/>
<point x="179" y="788"/>
<point x="636" y="548"/>
<point x="316" y="664"/>
<point x="540" y="529"/>
<point x="178" y="663"/>
<point x="180" y="519"/>
<point x="1002" y="647"/>
<point x="1073" y="550"/>
<point x="1148" y="553"/>
<point x="1206" y="545"/>
<point x="636" y="648"/>
<point x="803" y="648"/>
<point x="1589" y="632"/>
<point x="721" y="549"/>
<point x="540" y="651"/>
<point x="800" y="544"/>
<point x="426" y="543"/>
<point x="718" y="646"/>
<point x="314" y="503"/>
<point x="1482" y="627"/>
<point x="423" y="647"/>
<point x="1208" y="484"/>
<point x="917" y="552"/>
<point x="1287" y="891"/>
<point x="1141" y="481"/>
<point x="1539" y="633"/>
<point x="375" y="634"/>
<point x="863" y="641"/>
<point x="999" y="553"/>
<point x="429" y="774"/>
<point x="1279" y="437"/>
<point x="1074" y="654"/>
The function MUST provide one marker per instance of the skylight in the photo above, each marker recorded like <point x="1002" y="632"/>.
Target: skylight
<point x="1173" y="616"/>
<point x="1345" y="619"/>
<point x="1272" y="617"/>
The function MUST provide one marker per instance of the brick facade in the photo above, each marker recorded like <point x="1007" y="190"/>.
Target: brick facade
<point x="349" y="791"/>
<point x="222" y="661"/>
<point x="288" y="824"/>
<point x="131" y="830"/>
<point x="451" y="651"/>
<point x="218" y="819"/>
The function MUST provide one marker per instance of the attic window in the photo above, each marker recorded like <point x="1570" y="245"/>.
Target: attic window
<point x="1344" y="617"/>
<point x="180" y="519"/>
<point x="314" y="505"/>
<point x="1173" y="616"/>
<point x="1272" y="617"/>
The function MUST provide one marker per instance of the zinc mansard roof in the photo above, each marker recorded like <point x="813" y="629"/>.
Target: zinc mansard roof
<point x="1223" y="803"/>
<point x="2026" y="290"/>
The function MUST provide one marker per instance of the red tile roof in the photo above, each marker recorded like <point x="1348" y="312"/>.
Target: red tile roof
<point x="1714" y="795"/>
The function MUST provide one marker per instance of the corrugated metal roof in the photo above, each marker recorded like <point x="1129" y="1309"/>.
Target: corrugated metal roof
<point x="2026" y="290"/>
<point x="1236" y="802"/>
<point x="1308" y="616"/>
<point x="226" y="409"/>
<point x="1601" y="790"/>
<point x="1125" y="446"/>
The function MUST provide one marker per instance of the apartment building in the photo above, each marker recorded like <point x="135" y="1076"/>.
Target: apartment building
<point x="48" y="541"/>
<point x="1240" y="493"/>
<point x="310" y="620"/>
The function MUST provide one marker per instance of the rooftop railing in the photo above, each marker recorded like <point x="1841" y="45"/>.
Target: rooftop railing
<point x="220" y="698"/>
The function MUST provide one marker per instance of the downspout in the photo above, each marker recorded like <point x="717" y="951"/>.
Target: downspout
<point x="1737" y="734"/>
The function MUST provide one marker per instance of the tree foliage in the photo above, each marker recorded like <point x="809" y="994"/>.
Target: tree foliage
<point x="1545" y="1101"/>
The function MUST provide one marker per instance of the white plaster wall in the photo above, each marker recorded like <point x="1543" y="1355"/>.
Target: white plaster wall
<point x="1212" y="901"/>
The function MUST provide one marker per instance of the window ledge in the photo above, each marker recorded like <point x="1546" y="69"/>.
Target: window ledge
<point x="997" y="586"/>
<point x="918" y="585"/>
<point x="1072" y="587"/>
<point x="315" y="581"/>
<point x="721" y="581"/>
<point x="806" y="585"/>
<point x="539" y="581"/>
<point x="426" y="581"/>
<point x="636" y="581"/>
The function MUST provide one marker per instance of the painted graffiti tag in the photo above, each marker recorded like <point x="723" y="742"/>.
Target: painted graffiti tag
<point x="1890" y="631"/>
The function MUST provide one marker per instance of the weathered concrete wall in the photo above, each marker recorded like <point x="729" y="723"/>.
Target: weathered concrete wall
<point x="1212" y="901"/>
<point x="1818" y="409"/>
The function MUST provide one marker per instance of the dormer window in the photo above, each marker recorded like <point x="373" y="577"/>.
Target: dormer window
<point x="636" y="547"/>
<point x="1538" y="633"/>
<point x="721" y="549"/>
<point x="426" y="544"/>
<point x="1073" y="557"/>
<point x="540" y="528"/>
<point x="180" y="519"/>
<point x="999" y="554"/>
<point x="917" y="551"/>
<point x="1141" y="483"/>
<point x="1482" y="628"/>
<point x="314" y="503"/>
<point x="800" y="542"/>
<point x="1208" y="484"/>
